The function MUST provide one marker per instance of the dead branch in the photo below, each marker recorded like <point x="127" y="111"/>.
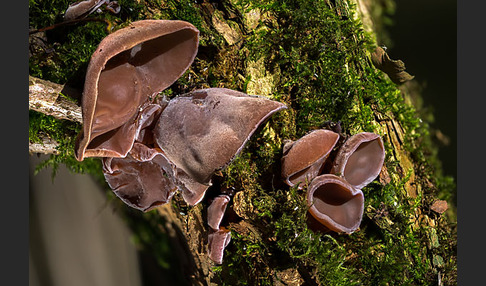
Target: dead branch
<point x="48" y="146"/>
<point x="46" y="97"/>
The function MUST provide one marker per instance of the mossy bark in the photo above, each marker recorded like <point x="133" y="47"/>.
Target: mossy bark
<point x="316" y="58"/>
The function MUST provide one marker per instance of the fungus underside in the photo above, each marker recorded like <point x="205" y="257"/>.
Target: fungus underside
<point x="319" y="55"/>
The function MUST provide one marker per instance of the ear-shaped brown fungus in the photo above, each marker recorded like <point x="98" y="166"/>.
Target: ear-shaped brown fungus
<point x="216" y="211"/>
<point x="335" y="203"/>
<point x="129" y="67"/>
<point x="201" y="132"/>
<point x="218" y="237"/>
<point x="395" y="69"/>
<point x="113" y="7"/>
<point x="81" y="9"/>
<point x="303" y="159"/>
<point x="217" y="242"/>
<point x="141" y="183"/>
<point x="360" y="159"/>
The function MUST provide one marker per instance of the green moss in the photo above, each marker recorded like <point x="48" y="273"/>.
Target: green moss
<point x="64" y="132"/>
<point x="325" y="75"/>
<point x="62" y="53"/>
<point x="321" y="55"/>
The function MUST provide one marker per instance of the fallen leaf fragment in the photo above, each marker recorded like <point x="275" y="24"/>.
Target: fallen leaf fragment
<point x="439" y="206"/>
<point x="395" y="69"/>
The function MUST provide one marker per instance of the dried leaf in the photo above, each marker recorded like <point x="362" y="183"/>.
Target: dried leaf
<point x="439" y="206"/>
<point x="395" y="69"/>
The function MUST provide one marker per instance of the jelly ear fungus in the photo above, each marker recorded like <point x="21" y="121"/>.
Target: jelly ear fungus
<point x="152" y="147"/>
<point x="142" y="185"/>
<point x="203" y="131"/>
<point x="81" y="9"/>
<point x="304" y="159"/>
<point x="335" y="204"/>
<point x="129" y="67"/>
<point x="360" y="159"/>
<point x="335" y="201"/>
<point x="218" y="236"/>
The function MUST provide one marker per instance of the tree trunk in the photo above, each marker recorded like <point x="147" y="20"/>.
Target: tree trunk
<point x="223" y="61"/>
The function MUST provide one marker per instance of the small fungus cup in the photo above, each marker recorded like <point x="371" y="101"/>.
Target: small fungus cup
<point x="216" y="211"/>
<point x="218" y="237"/>
<point x="360" y="159"/>
<point x="217" y="242"/>
<point x="335" y="204"/>
<point x="304" y="159"/>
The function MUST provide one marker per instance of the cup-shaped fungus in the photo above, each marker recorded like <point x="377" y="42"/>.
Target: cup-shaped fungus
<point x="202" y="132"/>
<point x="217" y="242"/>
<point x="360" y="159"/>
<point x="143" y="179"/>
<point x="128" y="68"/>
<point x="218" y="237"/>
<point x="335" y="204"/>
<point x="304" y="159"/>
<point x="216" y="211"/>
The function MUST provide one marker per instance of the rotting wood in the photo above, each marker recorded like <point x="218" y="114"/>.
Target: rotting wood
<point x="48" y="146"/>
<point x="45" y="97"/>
<point x="192" y="260"/>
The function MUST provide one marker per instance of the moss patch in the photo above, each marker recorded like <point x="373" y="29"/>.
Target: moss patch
<point x="317" y="57"/>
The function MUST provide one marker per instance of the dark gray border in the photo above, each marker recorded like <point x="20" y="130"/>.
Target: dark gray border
<point x="471" y="192"/>
<point x="14" y="118"/>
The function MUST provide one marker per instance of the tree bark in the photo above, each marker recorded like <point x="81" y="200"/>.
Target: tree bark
<point x="188" y="231"/>
<point x="46" y="97"/>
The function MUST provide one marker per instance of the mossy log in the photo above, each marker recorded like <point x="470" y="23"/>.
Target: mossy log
<point x="315" y="57"/>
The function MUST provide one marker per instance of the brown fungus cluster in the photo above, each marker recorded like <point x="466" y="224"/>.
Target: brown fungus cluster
<point x="335" y="199"/>
<point x="218" y="237"/>
<point x="152" y="147"/>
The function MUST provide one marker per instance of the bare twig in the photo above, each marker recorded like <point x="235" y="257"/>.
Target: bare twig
<point x="71" y="22"/>
<point x="44" y="97"/>
<point x="48" y="146"/>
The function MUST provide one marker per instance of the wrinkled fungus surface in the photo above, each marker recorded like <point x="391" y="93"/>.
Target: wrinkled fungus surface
<point x="143" y="185"/>
<point x="201" y="132"/>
